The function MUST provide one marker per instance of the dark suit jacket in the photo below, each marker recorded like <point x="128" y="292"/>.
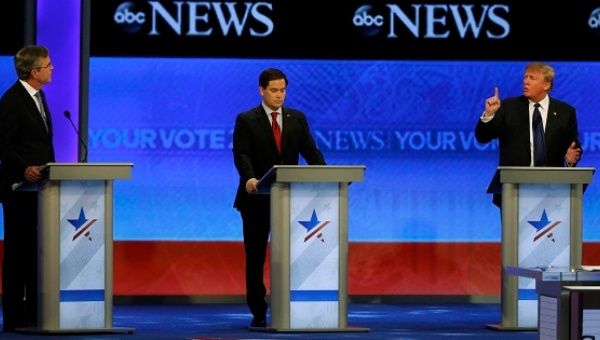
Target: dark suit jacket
<point x="255" y="152"/>
<point x="24" y="140"/>
<point x="512" y="127"/>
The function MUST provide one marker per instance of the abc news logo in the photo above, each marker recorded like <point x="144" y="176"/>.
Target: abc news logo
<point x="128" y="17"/>
<point x="196" y="18"/>
<point x="594" y="20"/>
<point x="435" y="21"/>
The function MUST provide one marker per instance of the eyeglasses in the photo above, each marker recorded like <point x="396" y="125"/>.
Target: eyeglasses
<point x="41" y="67"/>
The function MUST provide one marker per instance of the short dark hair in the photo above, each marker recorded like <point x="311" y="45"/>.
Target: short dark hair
<point x="28" y="58"/>
<point x="270" y="74"/>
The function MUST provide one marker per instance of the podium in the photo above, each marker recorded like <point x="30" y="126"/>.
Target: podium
<point x="309" y="246"/>
<point x="75" y="254"/>
<point x="541" y="228"/>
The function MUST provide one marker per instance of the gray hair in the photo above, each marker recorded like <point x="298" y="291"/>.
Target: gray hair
<point x="28" y="58"/>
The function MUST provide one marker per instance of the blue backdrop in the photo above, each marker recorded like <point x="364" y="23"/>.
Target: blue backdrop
<point x="410" y="122"/>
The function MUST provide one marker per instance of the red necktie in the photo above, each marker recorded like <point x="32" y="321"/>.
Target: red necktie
<point x="276" y="131"/>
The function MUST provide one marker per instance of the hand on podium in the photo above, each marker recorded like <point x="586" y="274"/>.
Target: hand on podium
<point x="573" y="154"/>
<point x="252" y="186"/>
<point x="34" y="173"/>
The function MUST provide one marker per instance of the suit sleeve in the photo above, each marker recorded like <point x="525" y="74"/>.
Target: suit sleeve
<point x="573" y="129"/>
<point x="242" y="149"/>
<point x="309" y="150"/>
<point x="574" y="132"/>
<point x="9" y="128"/>
<point x="486" y="132"/>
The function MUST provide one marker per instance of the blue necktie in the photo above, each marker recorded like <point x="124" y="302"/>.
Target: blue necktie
<point x="539" y="147"/>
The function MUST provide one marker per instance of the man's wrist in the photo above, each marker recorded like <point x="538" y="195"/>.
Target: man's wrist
<point x="485" y="118"/>
<point x="569" y="164"/>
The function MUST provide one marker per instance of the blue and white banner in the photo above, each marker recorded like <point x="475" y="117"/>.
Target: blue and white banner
<point x="403" y="140"/>
<point x="82" y="255"/>
<point x="544" y="239"/>
<point x="314" y="255"/>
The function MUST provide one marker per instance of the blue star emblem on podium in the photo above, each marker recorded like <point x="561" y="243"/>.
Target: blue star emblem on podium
<point x="82" y="226"/>
<point x="314" y="227"/>
<point x="544" y="227"/>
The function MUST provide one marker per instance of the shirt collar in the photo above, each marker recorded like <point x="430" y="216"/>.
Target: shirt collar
<point x="32" y="92"/>
<point x="544" y="103"/>
<point x="268" y="109"/>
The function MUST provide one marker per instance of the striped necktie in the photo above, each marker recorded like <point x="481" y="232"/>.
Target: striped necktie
<point x="40" y="102"/>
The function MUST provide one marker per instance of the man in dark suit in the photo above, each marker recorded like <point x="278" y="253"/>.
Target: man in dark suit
<point x="514" y="122"/>
<point x="267" y="135"/>
<point x="25" y="145"/>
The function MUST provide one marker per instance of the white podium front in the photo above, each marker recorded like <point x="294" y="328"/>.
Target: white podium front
<point x="309" y="246"/>
<point x="75" y="254"/>
<point x="542" y="223"/>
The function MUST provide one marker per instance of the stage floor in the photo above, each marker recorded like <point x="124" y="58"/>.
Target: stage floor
<point x="230" y="321"/>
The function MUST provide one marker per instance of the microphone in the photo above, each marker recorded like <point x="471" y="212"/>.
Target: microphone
<point x="68" y="115"/>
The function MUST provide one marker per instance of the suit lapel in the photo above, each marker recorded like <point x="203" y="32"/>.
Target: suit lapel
<point x="265" y="127"/>
<point x="524" y="118"/>
<point x="524" y="124"/>
<point x="48" y="115"/>
<point x="33" y="110"/>
<point x="551" y="118"/>
<point x="285" y="128"/>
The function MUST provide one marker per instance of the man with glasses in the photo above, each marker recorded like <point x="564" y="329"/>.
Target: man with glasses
<point x="25" y="145"/>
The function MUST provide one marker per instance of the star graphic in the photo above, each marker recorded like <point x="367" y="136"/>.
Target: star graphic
<point x="312" y="223"/>
<point x="539" y="225"/>
<point x="78" y="223"/>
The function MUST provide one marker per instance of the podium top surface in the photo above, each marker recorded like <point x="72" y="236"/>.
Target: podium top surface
<point x="88" y="171"/>
<point x="527" y="174"/>
<point x="314" y="173"/>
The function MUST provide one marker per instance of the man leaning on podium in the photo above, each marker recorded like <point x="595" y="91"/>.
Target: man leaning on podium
<point x="267" y="135"/>
<point x="532" y="129"/>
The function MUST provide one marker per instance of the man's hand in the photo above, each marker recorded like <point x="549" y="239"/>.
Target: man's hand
<point x="252" y="186"/>
<point x="33" y="173"/>
<point x="492" y="104"/>
<point x="573" y="154"/>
